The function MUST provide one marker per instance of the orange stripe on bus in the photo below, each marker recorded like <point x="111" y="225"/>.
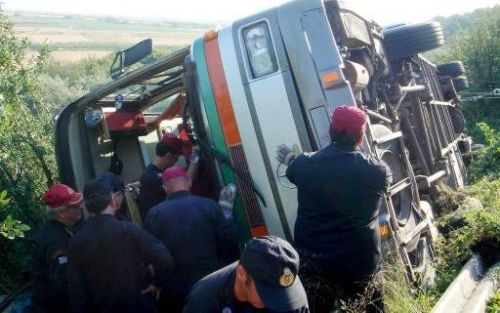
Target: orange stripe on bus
<point x="221" y="93"/>
<point x="259" y="231"/>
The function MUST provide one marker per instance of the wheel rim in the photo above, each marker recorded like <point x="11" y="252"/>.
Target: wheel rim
<point x="402" y="200"/>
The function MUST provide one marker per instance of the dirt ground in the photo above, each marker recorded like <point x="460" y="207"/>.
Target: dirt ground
<point x="56" y="36"/>
<point x="76" y="43"/>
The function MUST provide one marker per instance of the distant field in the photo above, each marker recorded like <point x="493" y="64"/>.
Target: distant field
<point x="75" y="37"/>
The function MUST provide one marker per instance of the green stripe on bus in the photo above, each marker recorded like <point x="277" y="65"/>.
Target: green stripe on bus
<point x="219" y="143"/>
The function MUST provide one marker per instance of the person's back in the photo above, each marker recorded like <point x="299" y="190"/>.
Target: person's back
<point x="184" y="222"/>
<point x="109" y="255"/>
<point x="194" y="230"/>
<point x="151" y="192"/>
<point x="339" y="190"/>
<point x="109" y="259"/>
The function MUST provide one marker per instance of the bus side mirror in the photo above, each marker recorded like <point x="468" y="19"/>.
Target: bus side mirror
<point x="130" y="56"/>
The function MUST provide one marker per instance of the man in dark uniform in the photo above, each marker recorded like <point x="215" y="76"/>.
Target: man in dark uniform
<point x="195" y="230"/>
<point x="265" y="279"/>
<point x="151" y="193"/>
<point x="50" y="257"/>
<point x="109" y="258"/>
<point x="340" y="190"/>
<point x="118" y="187"/>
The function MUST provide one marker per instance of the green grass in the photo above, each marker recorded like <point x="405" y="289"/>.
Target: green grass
<point x="399" y="297"/>
<point x="494" y="305"/>
<point x="480" y="234"/>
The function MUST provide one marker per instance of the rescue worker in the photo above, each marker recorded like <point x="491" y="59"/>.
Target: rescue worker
<point x="168" y="151"/>
<point x="340" y="190"/>
<point x="265" y="279"/>
<point x="50" y="257"/>
<point x="118" y="188"/>
<point x="151" y="193"/>
<point x="109" y="258"/>
<point x="196" y="231"/>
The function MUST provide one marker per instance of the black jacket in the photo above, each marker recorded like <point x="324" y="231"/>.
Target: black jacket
<point x="151" y="192"/>
<point x="196" y="232"/>
<point x="50" y="259"/>
<point x="215" y="293"/>
<point x="107" y="268"/>
<point x="339" y="193"/>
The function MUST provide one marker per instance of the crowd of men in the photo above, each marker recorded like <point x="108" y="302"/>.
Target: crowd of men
<point x="187" y="257"/>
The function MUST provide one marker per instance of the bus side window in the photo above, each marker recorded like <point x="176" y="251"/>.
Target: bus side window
<point x="260" y="51"/>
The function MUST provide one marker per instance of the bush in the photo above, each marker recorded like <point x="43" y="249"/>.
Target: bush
<point x="494" y="305"/>
<point x="27" y="162"/>
<point x="486" y="162"/>
<point x="10" y="228"/>
<point x="481" y="111"/>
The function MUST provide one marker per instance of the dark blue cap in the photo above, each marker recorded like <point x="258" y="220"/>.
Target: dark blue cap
<point x="274" y="266"/>
<point x="97" y="194"/>
<point x="113" y="180"/>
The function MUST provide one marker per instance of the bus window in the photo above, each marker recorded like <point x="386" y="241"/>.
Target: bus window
<point x="260" y="52"/>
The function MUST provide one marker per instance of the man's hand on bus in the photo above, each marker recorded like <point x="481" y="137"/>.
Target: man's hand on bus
<point x="226" y="200"/>
<point x="285" y="154"/>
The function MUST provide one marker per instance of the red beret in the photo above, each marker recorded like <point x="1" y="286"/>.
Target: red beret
<point x="173" y="172"/>
<point x="172" y="140"/>
<point x="348" y="119"/>
<point x="61" y="195"/>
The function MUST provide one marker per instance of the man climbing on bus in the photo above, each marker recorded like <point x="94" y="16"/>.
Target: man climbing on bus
<point x="340" y="189"/>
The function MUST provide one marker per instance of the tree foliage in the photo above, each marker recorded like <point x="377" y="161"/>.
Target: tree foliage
<point x="487" y="161"/>
<point x="459" y="22"/>
<point x="10" y="228"/>
<point x="478" y="47"/>
<point x="27" y="163"/>
<point x="475" y="42"/>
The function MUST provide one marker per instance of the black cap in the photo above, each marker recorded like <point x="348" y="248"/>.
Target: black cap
<point x="114" y="181"/>
<point x="97" y="195"/>
<point x="274" y="266"/>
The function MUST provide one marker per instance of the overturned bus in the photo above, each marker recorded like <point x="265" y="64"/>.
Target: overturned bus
<point x="274" y="78"/>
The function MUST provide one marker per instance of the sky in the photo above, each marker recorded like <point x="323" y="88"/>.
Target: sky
<point x="383" y="11"/>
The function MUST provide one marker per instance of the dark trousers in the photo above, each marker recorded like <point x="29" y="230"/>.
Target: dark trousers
<point x="173" y="296"/>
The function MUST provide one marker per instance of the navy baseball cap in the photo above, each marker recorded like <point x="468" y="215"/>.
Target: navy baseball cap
<point x="113" y="180"/>
<point x="274" y="266"/>
<point x="97" y="194"/>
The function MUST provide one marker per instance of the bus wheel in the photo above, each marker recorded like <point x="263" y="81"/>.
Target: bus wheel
<point x="452" y="69"/>
<point x="407" y="40"/>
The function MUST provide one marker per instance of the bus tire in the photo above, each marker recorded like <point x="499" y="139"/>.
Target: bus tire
<point x="452" y="69"/>
<point x="460" y="83"/>
<point x="407" y="40"/>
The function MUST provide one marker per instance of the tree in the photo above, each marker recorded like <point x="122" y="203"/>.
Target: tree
<point x="27" y="161"/>
<point x="478" y="47"/>
<point x="477" y="44"/>
<point x="10" y="228"/>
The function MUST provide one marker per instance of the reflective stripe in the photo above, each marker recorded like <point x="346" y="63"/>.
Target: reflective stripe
<point x="232" y="136"/>
<point x="219" y="87"/>
<point x="216" y="130"/>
